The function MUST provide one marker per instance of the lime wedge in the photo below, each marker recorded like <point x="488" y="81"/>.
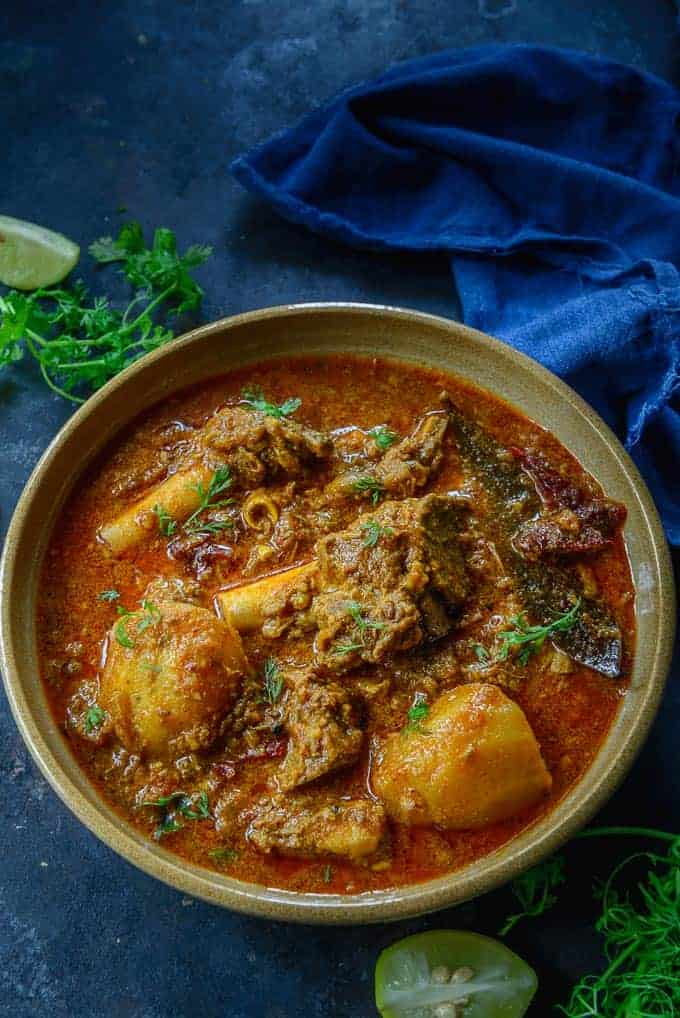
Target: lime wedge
<point x="31" y="256"/>
<point x="452" y="972"/>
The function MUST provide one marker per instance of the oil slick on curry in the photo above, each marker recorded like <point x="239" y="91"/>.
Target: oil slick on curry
<point x="336" y="624"/>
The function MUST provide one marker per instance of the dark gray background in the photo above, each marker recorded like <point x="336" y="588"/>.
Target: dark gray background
<point x="143" y="104"/>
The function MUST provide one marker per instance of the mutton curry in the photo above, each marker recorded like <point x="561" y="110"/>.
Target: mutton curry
<point x="335" y="623"/>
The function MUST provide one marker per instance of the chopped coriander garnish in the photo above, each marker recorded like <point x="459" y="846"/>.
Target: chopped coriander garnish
<point x="383" y="437"/>
<point x="108" y="595"/>
<point x="368" y="485"/>
<point x="374" y="531"/>
<point x="327" y="874"/>
<point x="417" y="712"/>
<point x="253" y="397"/>
<point x="121" y="634"/>
<point x="528" y="639"/>
<point x="225" y="855"/>
<point x="273" y="681"/>
<point x="151" y="616"/>
<point x="347" y="647"/>
<point x="93" y="718"/>
<point x="362" y="621"/>
<point x="193" y="807"/>
<point x="209" y="498"/>
<point x="166" y="524"/>
<point x="481" y="653"/>
<point x="168" y="825"/>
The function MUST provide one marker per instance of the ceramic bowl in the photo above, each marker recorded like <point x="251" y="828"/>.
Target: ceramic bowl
<point x="318" y="328"/>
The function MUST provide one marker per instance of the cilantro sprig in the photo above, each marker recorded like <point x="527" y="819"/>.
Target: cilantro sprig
<point x="369" y="486"/>
<point x="383" y="436"/>
<point x="254" y="398"/>
<point x="174" y="805"/>
<point x="373" y="531"/>
<point x="210" y="498"/>
<point x="417" y="713"/>
<point x="525" y="640"/>
<point x="80" y="341"/>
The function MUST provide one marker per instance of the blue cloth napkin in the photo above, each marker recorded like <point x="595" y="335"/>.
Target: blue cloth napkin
<point x="551" y="180"/>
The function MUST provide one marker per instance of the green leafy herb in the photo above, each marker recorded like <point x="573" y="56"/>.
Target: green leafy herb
<point x="209" y="498"/>
<point x="368" y="485"/>
<point x="273" y="681"/>
<point x="347" y="647"/>
<point x="534" y="890"/>
<point x="108" y="595"/>
<point x="527" y="640"/>
<point x="192" y="807"/>
<point x="383" y="437"/>
<point x="225" y="855"/>
<point x="481" y="653"/>
<point x="362" y="621"/>
<point x="195" y="807"/>
<point x="417" y="713"/>
<point x="374" y="531"/>
<point x="93" y="718"/>
<point x="121" y="634"/>
<point x="81" y="341"/>
<point x="166" y="525"/>
<point x="641" y="929"/>
<point x="327" y="874"/>
<point x="168" y="825"/>
<point x="151" y="616"/>
<point x="158" y="268"/>
<point x="253" y="397"/>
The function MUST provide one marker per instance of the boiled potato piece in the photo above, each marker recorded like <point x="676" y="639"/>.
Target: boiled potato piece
<point x="245" y="606"/>
<point x="171" y="675"/>
<point x="473" y="761"/>
<point x="179" y="497"/>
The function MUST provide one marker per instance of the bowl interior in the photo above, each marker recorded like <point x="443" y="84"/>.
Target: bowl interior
<point x="405" y="335"/>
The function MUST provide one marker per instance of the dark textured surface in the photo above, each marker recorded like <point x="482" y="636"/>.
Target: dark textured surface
<point x="143" y="104"/>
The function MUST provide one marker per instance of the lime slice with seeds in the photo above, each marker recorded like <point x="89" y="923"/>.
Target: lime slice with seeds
<point x="31" y="256"/>
<point x="452" y="974"/>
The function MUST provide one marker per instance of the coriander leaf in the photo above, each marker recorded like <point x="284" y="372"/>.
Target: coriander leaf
<point x="168" y="825"/>
<point x="327" y="874"/>
<point x="209" y="498"/>
<point x="93" y="718"/>
<point x="195" y="807"/>
<point x="527" y="640"/>
<point x="273" y="681"/>
<point x="166" y="524"/>
<point x="481" y="653"/>
<point x="225" y="855"/>
<point x="346" y="647"/>
<point x="363" y="622"/>
<point x="534" y="890"/>
<point x="368" y="485"/>
<point x="253" y="397"/>
<point x="122" y="636"/>
<point x="374" y="531"/>
<point x="80" y="341"/>
<point x="417" y="712"/>
<point x="108" y="595"/>
<point x="383" y="437"/>
<point x="151" y="616"/>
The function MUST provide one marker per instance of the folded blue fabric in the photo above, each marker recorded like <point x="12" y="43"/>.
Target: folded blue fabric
<point x="551" y="180"/>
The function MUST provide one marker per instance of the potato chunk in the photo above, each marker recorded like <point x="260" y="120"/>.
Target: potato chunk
<point x="473" y="761"/>
<point x="172" y="673"/>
